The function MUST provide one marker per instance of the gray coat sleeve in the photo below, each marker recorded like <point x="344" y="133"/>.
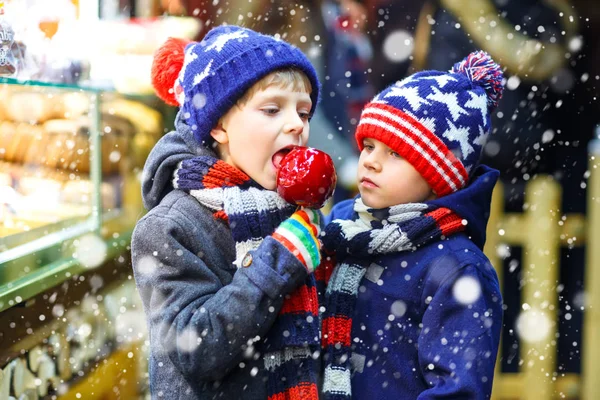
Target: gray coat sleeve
<point x="201" y="310"/>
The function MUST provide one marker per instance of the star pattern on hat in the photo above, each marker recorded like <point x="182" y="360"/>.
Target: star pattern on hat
<point x="450" y="100"/>
<point x="223" y="39"/>
<point x="200" y="76"/>
<point x="411" y="94"/>
<point x="459" y="134"/>
<point x="441" y="80"/>
<point x="478" y="102"/>
<point x="189" y="58"/>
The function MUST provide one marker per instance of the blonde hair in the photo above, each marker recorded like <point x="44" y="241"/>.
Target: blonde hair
<point x="284" y="78"/>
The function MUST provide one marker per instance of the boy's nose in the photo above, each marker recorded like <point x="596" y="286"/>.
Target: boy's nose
<point x="370" y="162"/>
<point x="294" y="125"/>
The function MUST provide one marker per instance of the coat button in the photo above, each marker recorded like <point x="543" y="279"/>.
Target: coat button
<point x="247" y="260"/>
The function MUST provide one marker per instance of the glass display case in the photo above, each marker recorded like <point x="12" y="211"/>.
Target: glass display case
<point x="71" y="158"/>
<point x="70" y="165"/>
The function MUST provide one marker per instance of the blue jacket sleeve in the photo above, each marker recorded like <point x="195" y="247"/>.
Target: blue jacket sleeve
<point x="201" y="311"/>
<point x="461" y="328"/>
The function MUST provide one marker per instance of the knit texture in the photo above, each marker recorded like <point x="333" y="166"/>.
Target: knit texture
<point x="253" y="214"/>
<point x="299" y="235"/>
<point x="219" y="70"/>
<point x="438" y="121"/>
<point x="374" y="232"/>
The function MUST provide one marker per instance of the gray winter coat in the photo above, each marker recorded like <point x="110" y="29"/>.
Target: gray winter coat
<point x="205" y="317"/>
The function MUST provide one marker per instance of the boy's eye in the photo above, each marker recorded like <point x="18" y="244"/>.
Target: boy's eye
<point x="304" y="116"/>
<point x="396" y="155"/>
<point x="368" y="147"/>
<point x="270" y="111"/>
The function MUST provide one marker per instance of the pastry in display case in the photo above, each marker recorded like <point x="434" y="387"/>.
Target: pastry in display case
<point x="45" y="158"/>
<point x="70" y="159"/>
<point x="70" y="165"/>
<point x="76" y="127"/>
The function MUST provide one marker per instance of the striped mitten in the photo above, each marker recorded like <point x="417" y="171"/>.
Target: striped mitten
<point x="299" y="235"/>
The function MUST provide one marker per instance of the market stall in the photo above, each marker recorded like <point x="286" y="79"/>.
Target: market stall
<point x="75" y="129"/>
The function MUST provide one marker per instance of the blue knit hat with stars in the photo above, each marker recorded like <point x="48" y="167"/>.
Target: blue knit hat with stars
<point x="218" y="71"/>
<point x="438" y="121"/>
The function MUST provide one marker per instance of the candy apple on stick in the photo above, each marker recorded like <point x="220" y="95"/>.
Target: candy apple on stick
<point x="306" y="177"/>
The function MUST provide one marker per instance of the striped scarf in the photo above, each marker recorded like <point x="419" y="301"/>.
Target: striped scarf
<point x="252" y="214"/>
<point x="355" y="243"/>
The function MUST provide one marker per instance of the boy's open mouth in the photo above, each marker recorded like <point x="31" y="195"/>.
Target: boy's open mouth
<point x="278" y="156"/>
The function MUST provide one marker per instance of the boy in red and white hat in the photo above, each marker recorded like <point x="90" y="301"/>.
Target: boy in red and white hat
<point x="413" y="307"/>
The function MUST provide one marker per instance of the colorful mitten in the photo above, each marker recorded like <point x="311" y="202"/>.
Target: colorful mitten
<point x="299" y="235"/>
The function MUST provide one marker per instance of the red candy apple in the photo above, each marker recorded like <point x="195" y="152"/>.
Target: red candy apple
<point x="306" y="177"/>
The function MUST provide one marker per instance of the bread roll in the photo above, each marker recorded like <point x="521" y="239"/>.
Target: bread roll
<point x="29" y="106"/>
<point x="21" y="141"/>
<point x="7" y="131"/>
<point x="36" y="152"/>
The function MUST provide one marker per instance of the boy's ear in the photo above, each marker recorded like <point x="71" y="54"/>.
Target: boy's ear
<point x="219" y="134"/>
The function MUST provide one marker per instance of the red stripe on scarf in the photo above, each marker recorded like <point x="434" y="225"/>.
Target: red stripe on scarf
<point x="336" y="330"/>
<point x="303" y="391"/>
<point x="222" y="215"/>
<point x="222" y="174"/>
<point x="447" y="221"/>
<point x="325" y="269"/>
<point x="301" y="300"/>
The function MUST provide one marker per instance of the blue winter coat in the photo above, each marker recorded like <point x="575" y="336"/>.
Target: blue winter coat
<point x="207" y="320"/>
<point x="427" y="323"/>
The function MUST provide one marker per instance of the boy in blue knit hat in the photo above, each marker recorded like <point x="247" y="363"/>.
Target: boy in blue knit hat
<point x="222" y="263"/>
<point x="413" y="307"/>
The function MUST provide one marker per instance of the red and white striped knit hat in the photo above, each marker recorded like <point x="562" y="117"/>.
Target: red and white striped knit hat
<point x="438" y="121"/>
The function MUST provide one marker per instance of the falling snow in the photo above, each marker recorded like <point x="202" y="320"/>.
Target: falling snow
<point x="90" y="251"/>
<point x="466" y="290"/>
<point x="398" y="46"/>
<point x="533" y="325"/>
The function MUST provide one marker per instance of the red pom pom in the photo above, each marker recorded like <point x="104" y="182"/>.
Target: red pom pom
<point x="167" y="63"/>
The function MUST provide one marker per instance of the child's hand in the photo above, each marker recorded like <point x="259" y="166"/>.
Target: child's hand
<point x="299" y="234"/>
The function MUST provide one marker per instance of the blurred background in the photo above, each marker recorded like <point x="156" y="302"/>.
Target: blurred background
<point x="78" y="118"/>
